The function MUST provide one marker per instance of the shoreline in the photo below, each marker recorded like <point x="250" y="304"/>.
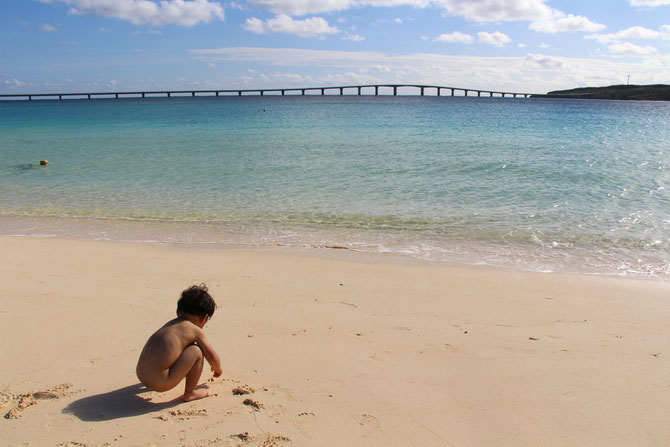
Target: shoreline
<point x="213" y="237"/>
<point x="338" y="350"/>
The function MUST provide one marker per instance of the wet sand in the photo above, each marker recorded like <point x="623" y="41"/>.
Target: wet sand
<point x="322" y="350"/>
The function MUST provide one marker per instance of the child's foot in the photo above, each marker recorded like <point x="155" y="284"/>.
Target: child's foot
<point x="195" y="395"/>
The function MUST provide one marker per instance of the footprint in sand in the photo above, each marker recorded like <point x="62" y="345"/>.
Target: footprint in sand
<point x="368" y="421"/>
<point x="19" y="402"/>
<point x="304" y="422"/>
<point x="264" y="440"/>
<point x="273" y="440"/>
<point x="182" y="415"/>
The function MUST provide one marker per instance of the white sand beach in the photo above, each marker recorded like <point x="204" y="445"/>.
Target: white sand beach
<point x="332" y="347"/>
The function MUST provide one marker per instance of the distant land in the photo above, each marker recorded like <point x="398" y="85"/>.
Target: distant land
<point x="657" y="92"/>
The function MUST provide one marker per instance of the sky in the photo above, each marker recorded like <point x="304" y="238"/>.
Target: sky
<point x="529" y="46"/>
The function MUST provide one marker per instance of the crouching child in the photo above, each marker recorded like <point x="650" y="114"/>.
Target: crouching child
<point x="179" y="349"/>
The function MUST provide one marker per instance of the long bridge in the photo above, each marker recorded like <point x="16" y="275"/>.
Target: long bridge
<point x="378" y="89"/>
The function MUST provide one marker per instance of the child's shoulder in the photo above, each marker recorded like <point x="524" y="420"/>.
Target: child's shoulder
<point x="186" y="327"/>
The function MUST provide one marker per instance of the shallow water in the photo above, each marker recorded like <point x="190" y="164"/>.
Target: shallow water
<point x="535" y="184"/>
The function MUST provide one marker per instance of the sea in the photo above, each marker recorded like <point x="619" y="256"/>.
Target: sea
<point x="535" y="184"/>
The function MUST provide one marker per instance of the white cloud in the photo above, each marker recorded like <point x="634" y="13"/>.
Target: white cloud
<point x="285" y="24"/>
<point x="555" y="21"/>
<point x="398" y="20"/>
<point x="353" y="37"/>
<point x="495" y="10"/>
<point x="635" y="32"/>
<point x="649" y="2"/>
<point x="455" y="37"/>
<point x="304" y="7"/>
<point x="278" y="77"/>
<point x="542" y="17"/>
<point x="498" y="39"/>
<point x="376" y="68"/>
<point x="541" y="61"/>
<point x="13" y="83"/>
<point x="631" y="49"/>
<point x="531" y="73"/>
<point x="146" y="12"/>
<point x="48" y="28"/>
<point x="237" y="6"/>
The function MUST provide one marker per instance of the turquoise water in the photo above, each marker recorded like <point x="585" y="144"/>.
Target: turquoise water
<point x="535" y="184"/>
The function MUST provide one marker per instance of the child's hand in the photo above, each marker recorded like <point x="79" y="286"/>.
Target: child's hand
<point x="217" y="373"/>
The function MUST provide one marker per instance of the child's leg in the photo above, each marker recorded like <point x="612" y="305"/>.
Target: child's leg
<point x="189" y="365"/>
<point x="193" y="377"/>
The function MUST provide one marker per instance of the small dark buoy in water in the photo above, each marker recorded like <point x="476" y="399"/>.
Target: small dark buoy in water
<point x="44" y="162"/>
<point x="264" y="110"/>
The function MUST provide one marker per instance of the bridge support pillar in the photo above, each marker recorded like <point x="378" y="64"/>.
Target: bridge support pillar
<point x="303" y="92"/>
<point x="421" y="91"/>
<point x="395" y="91"/>
<point x="452" y="92"/>
<point x="323" y="91"/>
<point x="359" y="91"/>
<point x="283" y="92"/>
<point x="143" y="94"/>
<point x="239" y="93"/>
<point x="117" y="96"/>
<point x="261" y="92"/>
<point x="376" y="90"/>
<point x="341" y="91"/>
<point x="479" y="93"/>
<point x="60" y="96"/>
<point x="192" y="93"/>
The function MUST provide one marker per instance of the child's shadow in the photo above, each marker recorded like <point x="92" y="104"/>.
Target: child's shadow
<point x="121" y="403"/>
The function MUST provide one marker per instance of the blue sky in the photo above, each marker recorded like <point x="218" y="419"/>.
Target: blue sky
<point x="512" y="45"/>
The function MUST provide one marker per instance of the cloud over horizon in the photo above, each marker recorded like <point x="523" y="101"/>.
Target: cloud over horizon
<point x="145" y="12"/>
<point x="315" y="26"/>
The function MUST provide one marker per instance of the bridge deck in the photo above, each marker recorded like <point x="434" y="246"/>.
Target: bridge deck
<point x="358" y="90"/>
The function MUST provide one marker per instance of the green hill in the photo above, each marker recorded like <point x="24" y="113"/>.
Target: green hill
<point x="658" y="92"/>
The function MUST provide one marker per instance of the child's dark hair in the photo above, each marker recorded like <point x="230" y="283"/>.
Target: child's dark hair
<point x="197" y="301"/>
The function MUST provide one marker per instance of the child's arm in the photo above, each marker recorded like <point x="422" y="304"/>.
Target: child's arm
<point x="210" y="354"/>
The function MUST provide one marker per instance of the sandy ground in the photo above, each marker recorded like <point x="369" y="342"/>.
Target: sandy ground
<point x="337" y="350"/>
